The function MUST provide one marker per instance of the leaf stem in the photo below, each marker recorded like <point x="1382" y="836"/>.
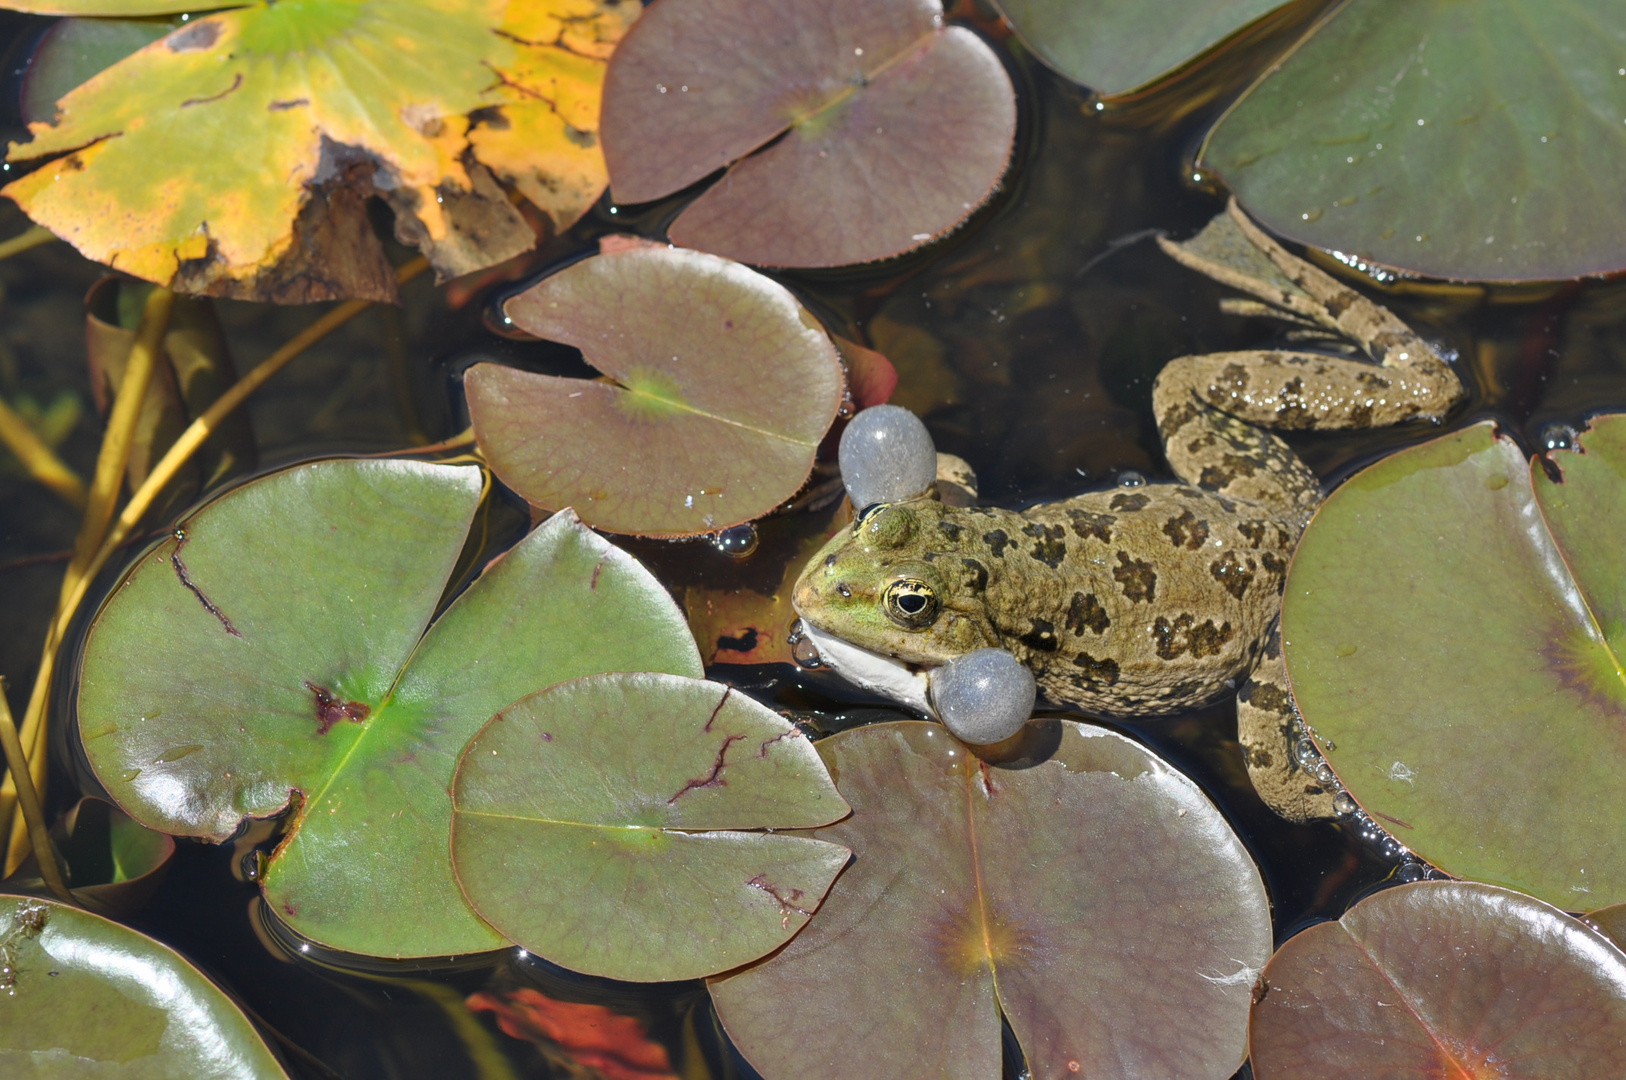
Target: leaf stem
<point x="25" y="241"/>
<point x="28" y="797"/>
<point x="140" y="502"/>
<point x="39" y="459"/>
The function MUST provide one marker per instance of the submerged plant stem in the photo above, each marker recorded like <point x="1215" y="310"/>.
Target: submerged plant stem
<point x="26" y="241"/>
<point x="28" y="797"/>
<point x="39" y="459"/>
<point x="198" y="432"/>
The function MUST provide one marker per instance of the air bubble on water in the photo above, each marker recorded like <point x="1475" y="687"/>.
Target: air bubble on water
<point x="886" y="454"/>
<point x="253" y="865"/>
<point x="1410" y="871"/>
<point x="1343" y="804"/>
<point x="984" y="696"/>
<point x="738" y="542"/>
<point x="802" y="649"/>
<point x="1305" y="753"/>
<point x="1323" y="772"/>
<point x="1559" y="437"/>
<point x="1131" y="478"/>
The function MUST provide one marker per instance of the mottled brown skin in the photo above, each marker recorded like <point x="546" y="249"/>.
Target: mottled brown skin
<point x="1140" y="600"/>
<point x="1153" y="599"/>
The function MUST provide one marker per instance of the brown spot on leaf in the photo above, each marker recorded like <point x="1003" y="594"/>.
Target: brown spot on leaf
<point x="330" y="710"/>
<point x="1138" y="579"/>
<point x="1086" y="612"/>
<point x="714" y="778"/>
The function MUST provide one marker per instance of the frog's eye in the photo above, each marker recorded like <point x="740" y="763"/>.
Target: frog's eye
<point x="911" y="603"/>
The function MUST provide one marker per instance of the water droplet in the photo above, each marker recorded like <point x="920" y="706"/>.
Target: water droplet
<point x="1323" y="773"/>
<point x="984" y="696"/>
<point x="1305" y="753"/>
<point x="886" y="454"/>
<point x="1313" y="214"/>
<point x="1559" y="437"/>
<point x="129" y="775"/>
<point x="1345" y="649"/>
<point x="738" y="542"/>
<point x="1496" y="481"/>
<point x="176" y="753"/>
<point x="253" y="865"/>
<point x="1343" y="804"/>
<point x="1131" y="478"/>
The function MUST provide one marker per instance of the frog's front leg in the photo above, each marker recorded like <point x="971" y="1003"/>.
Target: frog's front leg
<point x="1269" y="729"/>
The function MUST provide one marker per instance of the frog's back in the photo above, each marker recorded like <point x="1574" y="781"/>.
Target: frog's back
<point x="1137" y="600"/>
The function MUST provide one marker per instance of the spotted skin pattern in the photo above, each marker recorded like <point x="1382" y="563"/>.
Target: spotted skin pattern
<point x="1154" y="599"/>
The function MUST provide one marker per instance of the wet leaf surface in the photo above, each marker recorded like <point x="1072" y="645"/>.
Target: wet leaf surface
<point x="606" y="825"/>
<point x="1114" y="47"/>
<point x="860" y="129"/>
<point x="296" y="664"/>
<point x="1478" y="141"/>
<point x="92" y="998"/>
<point x="1452" y="624"/>
<point x="1442" y="978"/>
<point x="234" y="156"/>
<point x="720" y="387"/>
<point x="1120" y="917"/>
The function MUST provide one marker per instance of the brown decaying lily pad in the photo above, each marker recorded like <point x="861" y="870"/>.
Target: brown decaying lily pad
<point x="895" y="128"/>
<point x="1097" y="899"/>
<point x="1443" y="979"/>
<point x="720" y="388"/>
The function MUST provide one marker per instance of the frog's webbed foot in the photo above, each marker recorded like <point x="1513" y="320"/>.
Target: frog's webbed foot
<point x="1269" y="729"/>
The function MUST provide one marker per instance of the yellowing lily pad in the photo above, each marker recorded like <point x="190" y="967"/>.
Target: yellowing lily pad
<point x="609" y="824"/>
<point x="1095" y="898"/>
<point x="720" y="388"/>
<point x="86" y="997"/>
<point x="1453" y="624"/>
<point x="299" y="668"/>
<point x="860" y="128"/>
<point x="1442" y="979"/>
<point x="234" y="155"/>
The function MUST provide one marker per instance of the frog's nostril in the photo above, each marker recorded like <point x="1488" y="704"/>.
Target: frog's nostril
<point x="846" y="593"/>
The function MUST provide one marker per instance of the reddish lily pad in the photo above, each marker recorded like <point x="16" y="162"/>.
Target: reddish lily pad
<point x="860" y="128"/>
<point x="1481" y="140"/>
<point x="299" y="667"/>
<point x="604" y="824"/>
<point x="1097" y="899"/>
<point x="86" y="997"/>
<point x="1446" y="979"/>
<point x="720" y="388"/>
<point x="1452" y="624"/>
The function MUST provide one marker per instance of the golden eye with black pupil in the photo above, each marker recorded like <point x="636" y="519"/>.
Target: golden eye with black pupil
<point x="911" y="603"/>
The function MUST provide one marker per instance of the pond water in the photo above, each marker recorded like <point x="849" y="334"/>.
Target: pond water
<point x="1028" y="341"/>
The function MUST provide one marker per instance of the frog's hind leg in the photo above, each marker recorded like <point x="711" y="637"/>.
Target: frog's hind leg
<point x="1269" y="729"/>
<point x="1228" y="456"/>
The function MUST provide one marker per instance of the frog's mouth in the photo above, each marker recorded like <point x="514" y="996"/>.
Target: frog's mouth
<point x="888" y="676"/>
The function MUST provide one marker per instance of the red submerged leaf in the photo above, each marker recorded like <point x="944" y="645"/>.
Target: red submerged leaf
<point x="594" y="1035"/>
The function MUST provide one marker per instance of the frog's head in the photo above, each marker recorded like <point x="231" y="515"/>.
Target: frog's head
<point x="876" y="585"/>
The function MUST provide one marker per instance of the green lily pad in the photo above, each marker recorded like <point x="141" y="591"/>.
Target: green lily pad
<point x="1452" y="625"/>
<point x="601" y="824"/>
<point x="860" y="129"/>
<point x="75" y="49"/>
<point x="1113" y="46"/>
<point x="1442" y="978"/>
<point x="298" y="662"/>
<point x="1096" y="898"/>
<point x="720" y="388"/>
<point x="1482" y="141"/>
<point x="86" y="997"/>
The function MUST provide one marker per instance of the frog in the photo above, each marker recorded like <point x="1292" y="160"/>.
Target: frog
<point x="1158" y="598"/>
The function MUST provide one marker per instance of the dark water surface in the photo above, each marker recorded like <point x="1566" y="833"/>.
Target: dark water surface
<point x="1028" y="340"/>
